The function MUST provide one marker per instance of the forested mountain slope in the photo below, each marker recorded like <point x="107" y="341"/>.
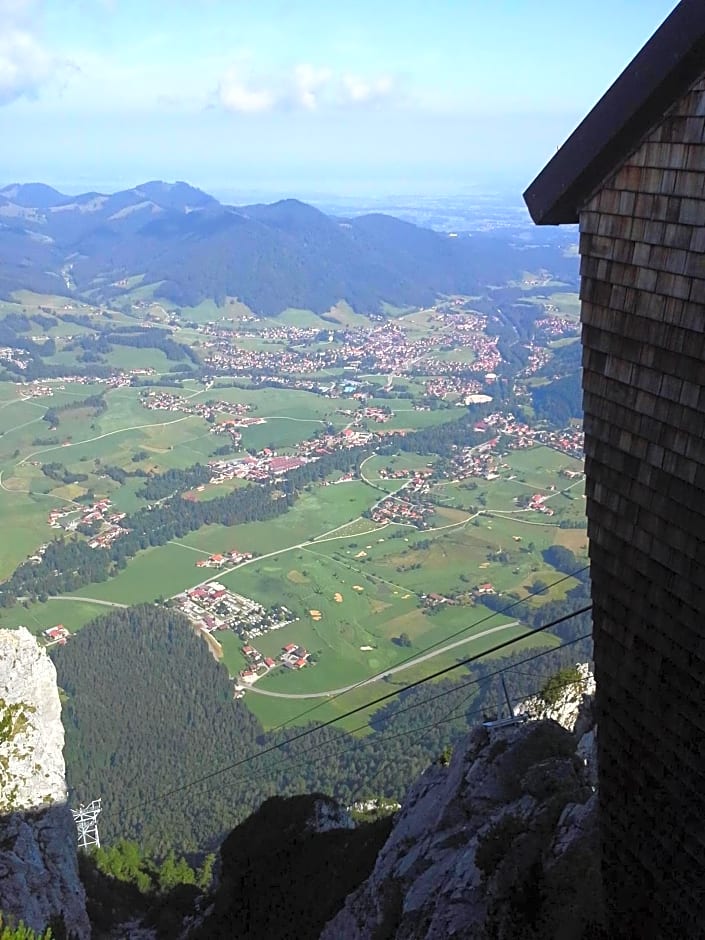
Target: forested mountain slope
<point x="188" y="248"/>
<point x="148" y="711"/>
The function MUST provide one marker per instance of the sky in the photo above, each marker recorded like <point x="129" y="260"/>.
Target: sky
<point x="295" y="97"/>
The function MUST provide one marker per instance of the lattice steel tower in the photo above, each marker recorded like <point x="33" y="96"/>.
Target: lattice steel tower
<point x="86" y="819"/>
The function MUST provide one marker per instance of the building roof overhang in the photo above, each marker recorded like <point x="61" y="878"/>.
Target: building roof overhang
<point x="669" y="63"/>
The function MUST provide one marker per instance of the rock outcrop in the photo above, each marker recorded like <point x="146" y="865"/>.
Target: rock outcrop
<point x="568" y="703"/>
<point x="501" y="843"/>
<point x="39" y="880"/>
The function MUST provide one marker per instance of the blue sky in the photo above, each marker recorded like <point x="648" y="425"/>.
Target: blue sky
<point x="303" y="96"/>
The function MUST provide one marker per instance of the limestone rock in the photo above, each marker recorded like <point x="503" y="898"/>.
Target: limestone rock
<point x="476" y="843"/>
<point x="38" y="864"/>
<point x="567" y="709"/>
<point x="327" y="816"/>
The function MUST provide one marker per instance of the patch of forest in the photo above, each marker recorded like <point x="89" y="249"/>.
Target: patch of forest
<point x="94" y="403"/>
<point x="148" y="711"/>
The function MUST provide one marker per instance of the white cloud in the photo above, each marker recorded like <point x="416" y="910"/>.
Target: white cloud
<point x="305" y="87"/>
<point x="359" y="90"/>
<point x="239" y="93"/>
<point x="309" y="84"/>
<point x="25" y="63"/>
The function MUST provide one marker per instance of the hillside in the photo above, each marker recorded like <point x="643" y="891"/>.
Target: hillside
<point x="39" y="881"/>
<point x="183" y="246"/>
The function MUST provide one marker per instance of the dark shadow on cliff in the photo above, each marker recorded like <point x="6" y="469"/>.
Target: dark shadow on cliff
<point x="282" y="879"/>
<point x="112" y="903"/>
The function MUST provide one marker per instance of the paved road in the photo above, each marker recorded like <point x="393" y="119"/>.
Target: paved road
<point x="89" y="600"/>
<point x="387" y="672"/>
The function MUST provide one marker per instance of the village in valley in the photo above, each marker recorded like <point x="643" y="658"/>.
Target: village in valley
<point x="386" y="543"/>
<point x="212" y="607"/>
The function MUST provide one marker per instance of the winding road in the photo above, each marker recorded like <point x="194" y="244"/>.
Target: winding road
<point x="378" y="677"/>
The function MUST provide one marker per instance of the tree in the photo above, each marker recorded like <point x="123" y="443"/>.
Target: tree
<point x="21" y="932"/>
<point x="561" y="558"/>
<point x="556" y="685"/>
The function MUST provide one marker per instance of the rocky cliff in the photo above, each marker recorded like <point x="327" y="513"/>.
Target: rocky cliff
<point x="288" y="868"/>
<point x="569" y="702"/>
<point x="500" y="843"/>
<point x="39" y="881"/>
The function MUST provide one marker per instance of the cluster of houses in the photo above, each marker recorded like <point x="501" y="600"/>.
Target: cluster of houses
<point x="57" y="635"/>
<point x="460" y="323"/>
<point x="265" y="467"/>
<point x="390" y="474"/>
<point x="537" y="503"/>
<point x="350" y="437"/>
<point x="10" y="354"/>
<point x="434" y="599"/>
<point x="568" y="441"/>
<point x="233" y="557"/>
<point x="520" y="435"/>
<point x="122" y="379"/>
<point x="374" y="413"/>
<point x="384" y="349"/>
<point x="231" y="427"/>
<point x="294" y="657"/>
<point x="222" y="355"/>
<point x="211" y="606"/>
<point x="35" y="390"/>
<point x="160" y="400"/>
<point x="477" y="462"/>
<point x="258" y="665"/>
<point x="395" y="509"/>
<point x="538" y="357"/>
<point x="452" y="386"/>
<point x="556" y="327"/>
<point x="287" y="335"/>
<point x="99" y="513"/>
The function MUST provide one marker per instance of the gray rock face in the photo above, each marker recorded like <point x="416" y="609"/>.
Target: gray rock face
<point x="479" y="845"/>
<point x="38" y="864"/>
<point x="328" y="816"/>
<point x="566" y="710"/>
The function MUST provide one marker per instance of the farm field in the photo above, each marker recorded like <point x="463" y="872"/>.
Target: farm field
<point x="317" y="512"/>
<point x="73" y="612"/>
<point x="366" y="595"/>
<point x="363" y="591"/>
<point x="273" y="711"/>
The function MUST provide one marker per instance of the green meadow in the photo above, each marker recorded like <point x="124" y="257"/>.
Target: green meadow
<point x="354" y="587"/>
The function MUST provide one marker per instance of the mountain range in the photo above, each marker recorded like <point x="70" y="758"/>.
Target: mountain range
<point x="186" y="247"/>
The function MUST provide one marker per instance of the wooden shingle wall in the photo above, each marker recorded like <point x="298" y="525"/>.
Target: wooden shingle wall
<point x="642" y="242"/>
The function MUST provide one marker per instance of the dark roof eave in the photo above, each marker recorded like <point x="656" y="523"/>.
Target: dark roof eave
<point x="665" y="68"/>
